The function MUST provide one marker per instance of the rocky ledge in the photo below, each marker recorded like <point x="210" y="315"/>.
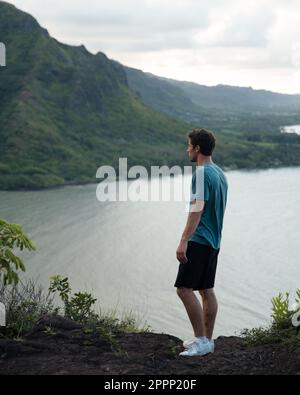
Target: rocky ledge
<point x="58" y="346"/>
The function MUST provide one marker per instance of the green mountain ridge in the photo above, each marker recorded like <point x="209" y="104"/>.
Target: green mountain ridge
<point x="247" y="122"/>
<point x="64" y="112"/>
<point x="242" y="98"/>
<point x="192" y="101"/>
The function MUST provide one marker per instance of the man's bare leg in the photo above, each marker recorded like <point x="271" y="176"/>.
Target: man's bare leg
<point x="194" y="310"/>
<point x="210" y="310"/>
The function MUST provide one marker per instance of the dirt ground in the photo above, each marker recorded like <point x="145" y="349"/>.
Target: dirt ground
<point x="58" y="346"/>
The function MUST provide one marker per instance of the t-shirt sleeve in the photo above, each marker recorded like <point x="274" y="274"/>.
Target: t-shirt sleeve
<point x="206" y="188"/>
<point x="200" y="185"/>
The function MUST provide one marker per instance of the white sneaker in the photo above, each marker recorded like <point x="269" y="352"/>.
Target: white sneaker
<point x="198" y="347"/>
<point x="188" y="343"/>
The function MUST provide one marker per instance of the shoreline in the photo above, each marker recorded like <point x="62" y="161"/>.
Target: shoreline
<point x="89" y="183"/>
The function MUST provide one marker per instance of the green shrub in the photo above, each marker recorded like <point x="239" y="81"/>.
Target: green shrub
<point x="282" y="328"/>
<point x="80" y="308"/>
<point x="12" y="236"/>
<point x="282" y="314"/>
<point x="77" y="307"/>
<point x="25" y="305"/>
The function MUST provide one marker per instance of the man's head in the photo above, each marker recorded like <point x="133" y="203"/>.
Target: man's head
<point x="200" y="142"/>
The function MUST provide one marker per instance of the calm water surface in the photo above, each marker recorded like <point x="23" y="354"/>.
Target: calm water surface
<point x="124" y="253"/>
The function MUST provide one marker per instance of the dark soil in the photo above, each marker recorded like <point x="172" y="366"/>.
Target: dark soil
<point x="58" y="346"/>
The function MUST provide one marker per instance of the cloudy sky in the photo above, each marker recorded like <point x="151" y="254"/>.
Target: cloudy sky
<point x="255" y="43"/>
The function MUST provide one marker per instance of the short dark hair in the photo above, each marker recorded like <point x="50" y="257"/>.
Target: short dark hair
<point x="205" y="139"/>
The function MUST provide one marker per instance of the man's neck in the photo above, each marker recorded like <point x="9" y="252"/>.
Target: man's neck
<point x="201" y="161"/>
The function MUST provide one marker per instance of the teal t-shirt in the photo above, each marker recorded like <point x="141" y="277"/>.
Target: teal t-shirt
<point x="212" y="187"/>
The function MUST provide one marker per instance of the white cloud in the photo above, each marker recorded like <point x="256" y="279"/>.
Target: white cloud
<point x="239" y="27"/>
<point x="216" y="41"/>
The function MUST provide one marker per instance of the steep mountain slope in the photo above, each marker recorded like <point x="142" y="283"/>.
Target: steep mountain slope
<point x="64" y="112"/>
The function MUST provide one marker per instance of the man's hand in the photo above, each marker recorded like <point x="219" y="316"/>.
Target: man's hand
<point x="181" y="252"/>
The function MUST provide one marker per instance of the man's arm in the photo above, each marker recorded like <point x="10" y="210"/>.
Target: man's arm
<point x="193" y="220"/>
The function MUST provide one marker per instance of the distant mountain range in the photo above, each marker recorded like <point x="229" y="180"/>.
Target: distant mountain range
<point x="64" y="112"/>
<point x="188" y="100"/>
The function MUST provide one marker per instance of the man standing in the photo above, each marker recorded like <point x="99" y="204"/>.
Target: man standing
<point x="200" y="243"/>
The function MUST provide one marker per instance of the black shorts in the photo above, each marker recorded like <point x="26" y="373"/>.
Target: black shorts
<point x="200" y="271"/>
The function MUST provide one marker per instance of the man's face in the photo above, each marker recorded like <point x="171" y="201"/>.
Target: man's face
<point x="192" y="152"/>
